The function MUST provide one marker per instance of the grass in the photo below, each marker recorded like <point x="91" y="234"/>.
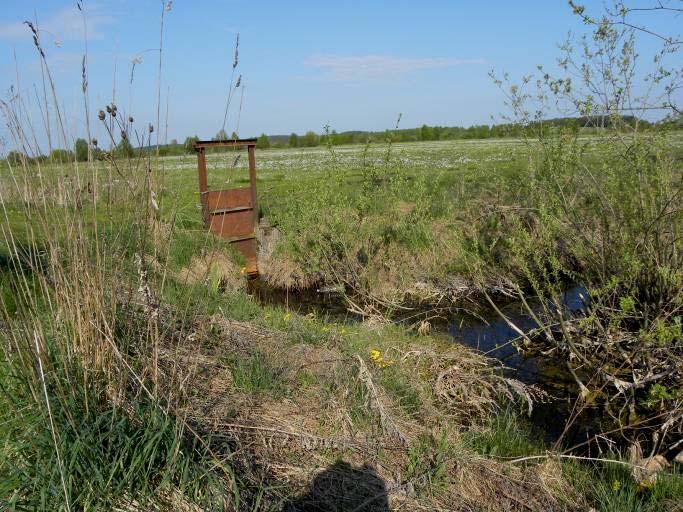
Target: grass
<point x="376" y="228"/>
<point x="138" y="373"/>
<point x="101" y="457"/>
<point x="504" y="435"/>
<point x="428" y="462"/>
<point x="613" y="488"/>
<point x="255" y="374"/>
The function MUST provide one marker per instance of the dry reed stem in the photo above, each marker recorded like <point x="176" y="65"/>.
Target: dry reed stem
<point x="377" y="400"/>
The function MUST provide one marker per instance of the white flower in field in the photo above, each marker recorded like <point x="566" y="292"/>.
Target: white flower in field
<point x="153" y="201"/>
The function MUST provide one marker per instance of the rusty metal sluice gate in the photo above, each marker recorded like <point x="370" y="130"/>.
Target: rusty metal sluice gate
<point x="231" y="213"/>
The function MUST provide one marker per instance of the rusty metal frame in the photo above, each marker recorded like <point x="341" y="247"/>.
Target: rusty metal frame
<point x="231" y="213"/>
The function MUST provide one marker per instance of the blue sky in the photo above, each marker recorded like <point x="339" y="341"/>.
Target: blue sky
<point x="352" y="65"/>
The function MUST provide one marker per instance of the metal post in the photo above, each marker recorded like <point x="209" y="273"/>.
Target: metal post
<point x="203" y="184"/>
<point x="252" y="179"/>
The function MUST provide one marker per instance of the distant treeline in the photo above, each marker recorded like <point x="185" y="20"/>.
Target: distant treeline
<point x="433" y="133"/>
<point x="124" y="148"/>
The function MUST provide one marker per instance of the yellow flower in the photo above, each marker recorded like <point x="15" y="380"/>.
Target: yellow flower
<point x="616" y="485"/>
<point x="376" y="357"/>
<point x="243" y="270"/>
<point x="287" y="317"/>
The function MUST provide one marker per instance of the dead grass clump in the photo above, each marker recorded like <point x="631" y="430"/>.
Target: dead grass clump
<point x="379" y="402"/>
<point x="278" y="271"/>
<point x="163" y="501"/>
<point x="338" y="431"/>
<point x="486" y="484"/>
<point x="162" y="233"/>
<point x="212" y="267"/>
<point x="233" y="333"/>
<point x="285" y="274"/>
<point x="467" y="383"/>
<point x="320" y="362"/>
<point x="404" y="208"/>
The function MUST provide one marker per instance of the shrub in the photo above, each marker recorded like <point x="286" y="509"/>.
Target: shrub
<point x="81" y="150"/>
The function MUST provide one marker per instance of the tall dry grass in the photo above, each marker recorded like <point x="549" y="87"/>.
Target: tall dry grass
<point x="83" y="423"/>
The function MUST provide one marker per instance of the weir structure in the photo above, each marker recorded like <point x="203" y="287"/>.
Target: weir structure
<point x="231" y="213"/>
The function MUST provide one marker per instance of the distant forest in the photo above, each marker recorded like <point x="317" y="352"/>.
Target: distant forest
<point x="311" y="139"/>
<point x="431" y="133"/>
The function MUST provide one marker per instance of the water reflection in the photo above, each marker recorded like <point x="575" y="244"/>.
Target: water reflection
<point x="496" y="338"/>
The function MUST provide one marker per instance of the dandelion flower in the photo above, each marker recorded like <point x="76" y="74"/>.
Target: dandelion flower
<point x="378" y="360"/>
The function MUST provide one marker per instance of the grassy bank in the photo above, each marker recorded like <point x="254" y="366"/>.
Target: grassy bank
<point x="141" y="371"/>
<point x="138" y="372"/>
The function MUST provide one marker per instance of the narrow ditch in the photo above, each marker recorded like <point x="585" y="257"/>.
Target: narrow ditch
<point x="493" y="336"/>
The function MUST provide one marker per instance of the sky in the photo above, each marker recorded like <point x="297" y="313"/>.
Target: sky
<point x="304" y="65"/>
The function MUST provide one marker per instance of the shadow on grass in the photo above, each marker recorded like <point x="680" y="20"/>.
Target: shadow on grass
<point x="22" y="257"/>
<point x="343" y="488"/>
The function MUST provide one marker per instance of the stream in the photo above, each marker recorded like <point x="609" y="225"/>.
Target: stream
<point x="494" y="337"/>
<point x="491" y="335"/>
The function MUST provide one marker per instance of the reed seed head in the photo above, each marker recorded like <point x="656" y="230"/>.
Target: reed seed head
<point x="236" y="58"/>
<point x="101" y="115"/>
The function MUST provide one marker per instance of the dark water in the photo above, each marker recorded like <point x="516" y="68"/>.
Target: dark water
<point x="495" y="338"/>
